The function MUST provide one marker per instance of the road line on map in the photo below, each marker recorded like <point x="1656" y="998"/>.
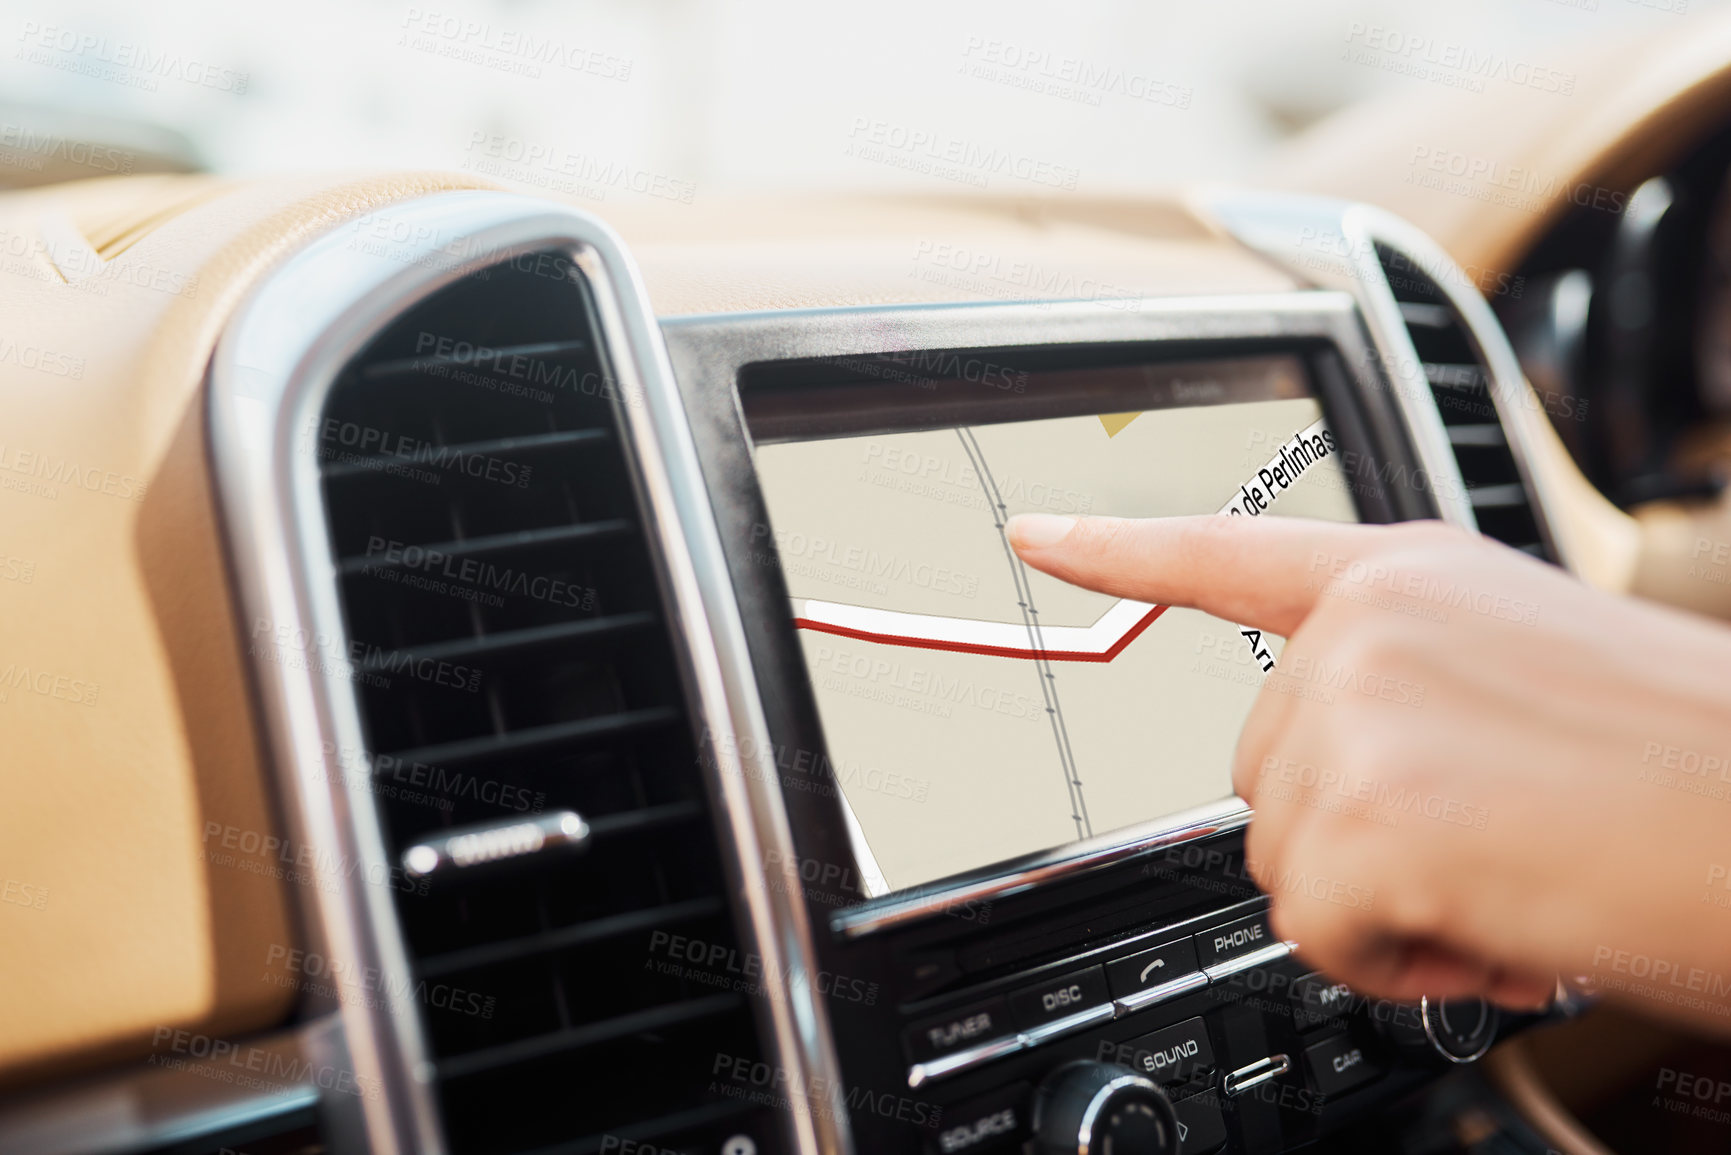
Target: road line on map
<point x="1100" y="642"/>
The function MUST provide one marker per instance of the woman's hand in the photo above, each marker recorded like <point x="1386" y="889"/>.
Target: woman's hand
<point x="1531" y="778"/>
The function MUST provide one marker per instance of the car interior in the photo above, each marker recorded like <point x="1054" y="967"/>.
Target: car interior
<point x="491" y="669"/>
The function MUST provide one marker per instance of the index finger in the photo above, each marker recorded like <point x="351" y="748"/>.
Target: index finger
<point x="1265" y="572"/>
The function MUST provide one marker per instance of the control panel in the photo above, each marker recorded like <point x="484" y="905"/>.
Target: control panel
<point x="1149" y="1007"/>
<point x="1193" y="1038"/>
<point x="1159" y="968"/>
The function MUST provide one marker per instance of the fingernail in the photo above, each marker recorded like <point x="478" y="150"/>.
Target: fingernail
<point x="1038" y="530"/>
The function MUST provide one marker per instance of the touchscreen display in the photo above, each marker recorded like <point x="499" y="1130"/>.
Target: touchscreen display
<point x="977" y="710"/>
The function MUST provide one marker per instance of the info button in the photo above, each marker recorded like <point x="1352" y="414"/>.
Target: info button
<point x="1320" y="1002"/>
<point x="1058" y="997"/>
<point x="1234" y="939"/>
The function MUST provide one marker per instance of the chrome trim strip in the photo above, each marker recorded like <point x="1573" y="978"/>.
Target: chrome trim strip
<point x="743" y="769"/>
<point x="272" y="369"/>
<point x="1330" y="243"/>
<point x="710" y="351"/>
<point x="148" y="1105"/>
<point x="1255" y="1074"/>
<point x="1273" y="952"/>
<point x="1038" y="869"/>
<point x="968" y="1058"/>
<point x="1183" y="985"/>
<point x="964" y="1060"/>
<point x="1058" y="1028"/>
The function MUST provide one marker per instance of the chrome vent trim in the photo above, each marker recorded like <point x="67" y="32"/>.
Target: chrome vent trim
<point x="272" y="370"/>
<point x="1516" y="404"/>
<point x="1455" y="366"/>
<point x="1326" y="243"/>
<point x="149" y="1107"/>
<point x="1333" y="244"/>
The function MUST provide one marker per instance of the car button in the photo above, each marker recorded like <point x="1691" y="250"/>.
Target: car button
<point x="1338" y="1064"/>
<point x="951" y="1031"/>
<point x="1147" y="969"/>
<point x="1240" y="937"/>
<point x="1057" y="997"/>
<point x="991" y="1120"/>
<point x="1201" y="1126"/>
<point x="1172" y="1055"/>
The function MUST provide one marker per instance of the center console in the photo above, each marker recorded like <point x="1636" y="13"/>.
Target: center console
<point x="850" y="832"/>
<point x="1010" y="801"/>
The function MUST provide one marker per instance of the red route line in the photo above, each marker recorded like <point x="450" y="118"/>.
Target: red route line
<point x="1117" y="648"/>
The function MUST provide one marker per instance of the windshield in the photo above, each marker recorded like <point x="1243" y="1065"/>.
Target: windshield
<point x="615" y="103"/>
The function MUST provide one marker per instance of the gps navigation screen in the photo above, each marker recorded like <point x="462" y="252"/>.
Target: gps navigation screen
<point x="975" y="709"/>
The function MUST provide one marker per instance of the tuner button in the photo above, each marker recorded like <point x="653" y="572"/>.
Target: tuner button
<point x="1089" y="1108"/>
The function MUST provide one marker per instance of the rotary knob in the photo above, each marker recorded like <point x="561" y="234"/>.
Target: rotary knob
<point x="1089" y="1108"/>
<point x="1458" y="1030"/>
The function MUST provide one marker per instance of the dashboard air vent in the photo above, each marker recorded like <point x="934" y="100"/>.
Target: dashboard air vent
<point x="1459" y="381"/>
<point x="512" y="661"/>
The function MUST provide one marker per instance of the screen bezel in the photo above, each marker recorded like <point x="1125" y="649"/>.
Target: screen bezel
<point x="898" y="395"/>
<point x="725" y="364"/>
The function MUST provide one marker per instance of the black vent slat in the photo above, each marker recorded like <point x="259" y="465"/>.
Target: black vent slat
<point x="513" y="641"/>
<point x="514" y="656"/>
<point x="638" y="1022"/>
<point x="567" y="937"/>
<point x="632" y="821"/>
<point x="1461" y="387"/>
<point x="412" y="366"/>
<point x="1446" y="376"/>
<point x="1476" y="436"/>
<point x="1510" y="496"/>
<point x="541" y="738"/>
<point x="1427" y="315"/>
<point x="498" y="446"/>
<point x="498" y="543"/>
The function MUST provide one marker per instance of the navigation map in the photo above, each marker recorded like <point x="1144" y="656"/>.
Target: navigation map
<point x="976" y="709"/>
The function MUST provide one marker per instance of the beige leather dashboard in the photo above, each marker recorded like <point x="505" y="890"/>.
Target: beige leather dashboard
<point x="147" y="885"/>
<point x="728" y="258"/>
<point x="139" y="861"/>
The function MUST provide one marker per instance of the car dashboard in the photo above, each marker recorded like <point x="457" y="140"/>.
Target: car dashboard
<point x="781" y="981"/>
<point x="655" y="748"/>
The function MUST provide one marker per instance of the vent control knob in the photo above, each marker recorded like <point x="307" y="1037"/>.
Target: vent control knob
<point x="1089" y="1108"/>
